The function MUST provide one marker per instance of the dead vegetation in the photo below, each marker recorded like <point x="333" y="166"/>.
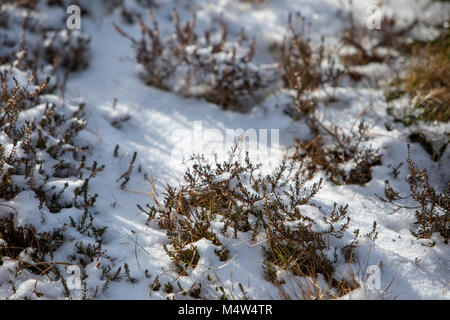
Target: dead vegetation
<point x="232" y="195"/>
<point x="427" y="75"/>
<point x="428" y="80"/>
<point x="306" y="67"/>
<point x="52" y="133"/>
<point x="426" y="86"/>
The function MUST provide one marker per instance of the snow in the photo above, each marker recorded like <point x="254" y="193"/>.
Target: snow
<point x="161" y="128"/>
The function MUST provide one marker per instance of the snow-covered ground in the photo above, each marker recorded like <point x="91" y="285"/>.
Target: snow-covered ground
<point x="162" y="130"/>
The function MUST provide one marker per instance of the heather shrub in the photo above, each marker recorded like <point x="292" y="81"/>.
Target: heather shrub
<point x="368" y="45"/>
<point x="208" y="66"/>
<point x="36" y="43"/>
<point x="43" y="159"/>
<point x="306" y="66"/>
<point x="432" y="208"/>
<point x="346" y="158"/>
<point x="233" y="197"/>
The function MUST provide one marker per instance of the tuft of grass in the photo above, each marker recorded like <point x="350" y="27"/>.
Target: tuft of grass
<point x="427" y="84"/>
<point x="428" y="81"/>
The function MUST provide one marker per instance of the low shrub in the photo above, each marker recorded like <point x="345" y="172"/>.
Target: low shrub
<point x="231" y="198"/>
<point x="432" y="207"/>
<point x="368" y="44"/>
<point x="42" y="157"/>
<point x="345" y="158"/>
<point x="37" y="43"/>
<point x="211" y="66"/>
<point x="306" y="66"/>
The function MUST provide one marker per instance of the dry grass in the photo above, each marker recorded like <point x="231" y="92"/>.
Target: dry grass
<point x="428" y="80"/>
<point x="356" y="286"/>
